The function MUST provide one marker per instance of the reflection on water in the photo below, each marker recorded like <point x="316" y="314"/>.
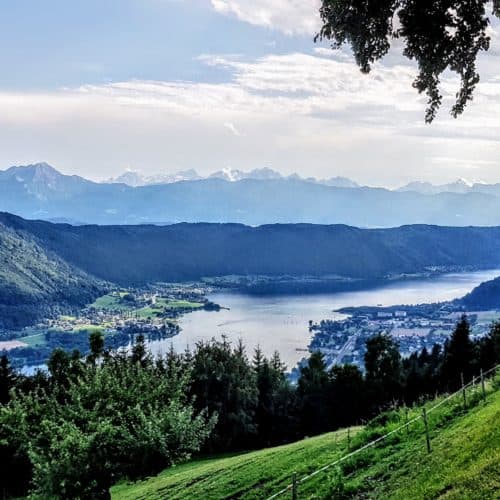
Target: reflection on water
<point x="281" y="322"/>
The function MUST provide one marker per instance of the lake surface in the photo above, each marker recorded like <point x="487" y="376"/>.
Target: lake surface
<point x="281" y="322"/>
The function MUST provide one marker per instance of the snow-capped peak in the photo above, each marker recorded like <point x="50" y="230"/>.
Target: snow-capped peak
<point x="135" y="178"/>
<point x="229" y="174"/>
<point x="463" y="182"/>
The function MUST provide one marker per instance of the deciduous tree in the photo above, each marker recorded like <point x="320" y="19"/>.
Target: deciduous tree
<point x="440" y="35"/>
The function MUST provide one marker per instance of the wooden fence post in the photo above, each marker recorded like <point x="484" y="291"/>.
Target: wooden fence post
<point x="427" y="437"/>
<point x="406" y="421"/>
<point x="294" y="486"/>
<point x="483" y="389"/>
<point x="348" y="439"/>
<point x="463" y="390"/>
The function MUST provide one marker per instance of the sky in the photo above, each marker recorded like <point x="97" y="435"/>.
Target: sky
<point x="97" y="87"/>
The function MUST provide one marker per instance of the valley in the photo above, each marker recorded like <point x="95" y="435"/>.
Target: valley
<point x="337" y="323"/>
<point x="61" y="282"/>
<point x="249" y="251"/>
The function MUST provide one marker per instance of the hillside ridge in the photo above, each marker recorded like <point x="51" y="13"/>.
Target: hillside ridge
<point x="130" y="255"/>
<point x="35" y="282"/>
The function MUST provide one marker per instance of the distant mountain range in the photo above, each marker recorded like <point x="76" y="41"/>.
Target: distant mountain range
<point x="134" y="178"/>
<point x="460" y="186"/>
<point x="258" y="197"/>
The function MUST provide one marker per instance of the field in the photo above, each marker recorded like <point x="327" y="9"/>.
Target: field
<point x="181" y="304"/>
<point x="163" y="305"/>
<point x="464" y="463"/>
<point x="111" y="302"/>
<point x="114" y="302"/>
<point x="37" y="339"/>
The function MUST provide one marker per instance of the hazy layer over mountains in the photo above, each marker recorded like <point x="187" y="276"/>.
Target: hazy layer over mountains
<point x="258" y="197"/>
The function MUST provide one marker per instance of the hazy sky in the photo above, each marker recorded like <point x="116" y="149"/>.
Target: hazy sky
<point x="98" y="86"/>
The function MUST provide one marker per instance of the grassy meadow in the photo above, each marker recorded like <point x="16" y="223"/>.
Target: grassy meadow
<point x="464" y="462"/>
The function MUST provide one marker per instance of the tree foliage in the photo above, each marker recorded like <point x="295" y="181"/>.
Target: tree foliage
<point x="92" y="425"/>
<point x="223" y="382"/>
<point x="439" y="35"/>
<point x="89" y="422"/>
<point x="7" y="379"/>
<point x="311" y="389"/>
<point x="460" y="360"/>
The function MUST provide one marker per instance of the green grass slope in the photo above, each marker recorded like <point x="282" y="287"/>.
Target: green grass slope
<point x="464" y="463"/>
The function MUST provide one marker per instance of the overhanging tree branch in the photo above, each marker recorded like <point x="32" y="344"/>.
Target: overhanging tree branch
<point x="439" y="35"/>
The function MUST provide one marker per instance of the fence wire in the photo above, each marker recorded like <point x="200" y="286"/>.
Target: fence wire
<point x="381" y="438"/>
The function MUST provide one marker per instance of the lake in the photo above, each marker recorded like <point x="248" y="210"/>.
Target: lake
<point x="281" y="322"/>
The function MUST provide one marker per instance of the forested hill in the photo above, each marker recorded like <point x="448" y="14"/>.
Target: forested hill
<point x="35" y="282"/>
<point x="484" y="296"/>
<point x="140" y="254"/>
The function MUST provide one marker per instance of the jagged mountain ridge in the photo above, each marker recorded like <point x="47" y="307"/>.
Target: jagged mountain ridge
<point x="135" y="178"/>
<point x="41" y="192"/>
<point x="42" y="180"/>
<point x="460" y="186"/>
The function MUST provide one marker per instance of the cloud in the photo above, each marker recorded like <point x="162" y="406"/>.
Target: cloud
<point x="299" y="112"/>
<point x="293" y="17"/>
<point x="231" y="127"/>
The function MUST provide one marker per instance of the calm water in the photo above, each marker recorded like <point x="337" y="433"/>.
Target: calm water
<point x="281" y="322"/>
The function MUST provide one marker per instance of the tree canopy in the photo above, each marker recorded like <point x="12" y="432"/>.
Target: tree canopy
<point x="90" y="421"/>
<point x="439" y="35"/>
